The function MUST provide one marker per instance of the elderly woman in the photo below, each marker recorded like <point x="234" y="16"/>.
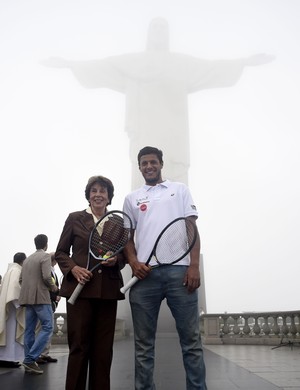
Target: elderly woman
<point x="91" y="320"/>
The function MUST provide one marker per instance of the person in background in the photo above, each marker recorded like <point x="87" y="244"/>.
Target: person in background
<point x="36" y="281"/>
<point x="12" y="316"/>
<point x="91" y="320"/>
<point x="55" y="298"/>
<point x="151" y="208"/>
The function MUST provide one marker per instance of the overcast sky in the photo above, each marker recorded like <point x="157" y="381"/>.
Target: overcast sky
<point x="244" y="173"/>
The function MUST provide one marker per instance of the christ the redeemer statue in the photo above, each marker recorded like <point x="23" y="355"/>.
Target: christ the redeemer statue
<point x="156" y="84"/>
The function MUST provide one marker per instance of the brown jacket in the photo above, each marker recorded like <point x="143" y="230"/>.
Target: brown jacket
<point x="36" y="279"/>
<point x="72" y="250"/>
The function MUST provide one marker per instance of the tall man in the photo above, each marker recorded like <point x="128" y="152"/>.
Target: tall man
<point x="36" y="281"/>
<point x="151" y="208"/>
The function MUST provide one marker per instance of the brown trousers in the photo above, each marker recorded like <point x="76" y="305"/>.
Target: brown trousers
<point x="91" y="328"/>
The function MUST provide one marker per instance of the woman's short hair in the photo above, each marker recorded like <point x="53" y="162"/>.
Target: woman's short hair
<point x="104" y="182"/>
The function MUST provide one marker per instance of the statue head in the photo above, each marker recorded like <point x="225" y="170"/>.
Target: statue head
<point x="158" y="35"/>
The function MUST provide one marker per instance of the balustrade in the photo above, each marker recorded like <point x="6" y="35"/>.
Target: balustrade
<point x="268" y="328"/>
<point x="251" y="328"/>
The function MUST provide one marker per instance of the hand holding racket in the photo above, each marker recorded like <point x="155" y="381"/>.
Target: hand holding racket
<point x="174" y="242"/>
<point x="108" y="238"/>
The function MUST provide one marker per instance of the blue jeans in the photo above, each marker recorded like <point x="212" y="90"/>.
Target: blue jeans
<point x="145" y="300"/>
<point x="34" y="345"/>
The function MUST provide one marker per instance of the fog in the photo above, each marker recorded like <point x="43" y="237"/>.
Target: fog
<point x="243" y="145"/>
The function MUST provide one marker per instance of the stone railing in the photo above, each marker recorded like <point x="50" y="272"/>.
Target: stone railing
<point x="268" y="328"/>
<point x="60" y="328"/>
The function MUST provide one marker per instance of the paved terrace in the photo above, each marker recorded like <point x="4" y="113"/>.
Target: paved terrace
<point x="229" y="367"/>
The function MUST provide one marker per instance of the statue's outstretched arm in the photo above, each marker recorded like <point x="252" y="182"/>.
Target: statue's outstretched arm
<point x="56" y="62"/>
<point x="103" y="73"/>
<point x="259" y="59"/>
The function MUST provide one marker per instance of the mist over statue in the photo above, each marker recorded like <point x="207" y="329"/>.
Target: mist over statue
<point x="156" y="84"/>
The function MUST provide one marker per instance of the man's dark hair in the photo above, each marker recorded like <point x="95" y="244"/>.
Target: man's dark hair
<point x="19" y="257"/>
<point x="41" y="241"/>
<point x="104" y="182"/>
<point x="150" y="150"/>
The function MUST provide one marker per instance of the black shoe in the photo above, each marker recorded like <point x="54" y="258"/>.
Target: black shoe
<point x="9" y="364"/>
<point x="41" y="360"/>
<point x="48" y="359"/>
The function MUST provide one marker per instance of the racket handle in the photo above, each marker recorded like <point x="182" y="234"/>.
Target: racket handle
<point x="129" y="284"/>
<point x="75" y="294"/>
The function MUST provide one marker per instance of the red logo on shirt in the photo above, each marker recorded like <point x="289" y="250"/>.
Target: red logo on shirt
<point x="143" y="207"/>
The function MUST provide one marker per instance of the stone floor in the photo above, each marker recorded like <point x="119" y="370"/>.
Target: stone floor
<point x="228" y="368"/>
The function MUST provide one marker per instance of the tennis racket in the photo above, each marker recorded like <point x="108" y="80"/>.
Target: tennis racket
<point x="108" y="238"/>
<point x="174" y="242"/>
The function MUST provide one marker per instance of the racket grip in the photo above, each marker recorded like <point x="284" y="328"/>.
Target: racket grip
<point x="75" y="294"/>
<point x="129" y="284"/>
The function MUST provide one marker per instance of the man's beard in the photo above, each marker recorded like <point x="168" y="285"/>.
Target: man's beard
<point x="152" y="180"/>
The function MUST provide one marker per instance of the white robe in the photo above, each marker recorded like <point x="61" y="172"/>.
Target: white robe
<point x="12" y="316"/>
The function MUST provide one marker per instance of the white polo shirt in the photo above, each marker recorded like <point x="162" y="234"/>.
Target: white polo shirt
<point x="151" y="208"/>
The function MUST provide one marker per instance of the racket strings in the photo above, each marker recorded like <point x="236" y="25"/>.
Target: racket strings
<point x="100" y="225"/>
<point x="175" y="242"/>
<point x="114" y="237"/>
